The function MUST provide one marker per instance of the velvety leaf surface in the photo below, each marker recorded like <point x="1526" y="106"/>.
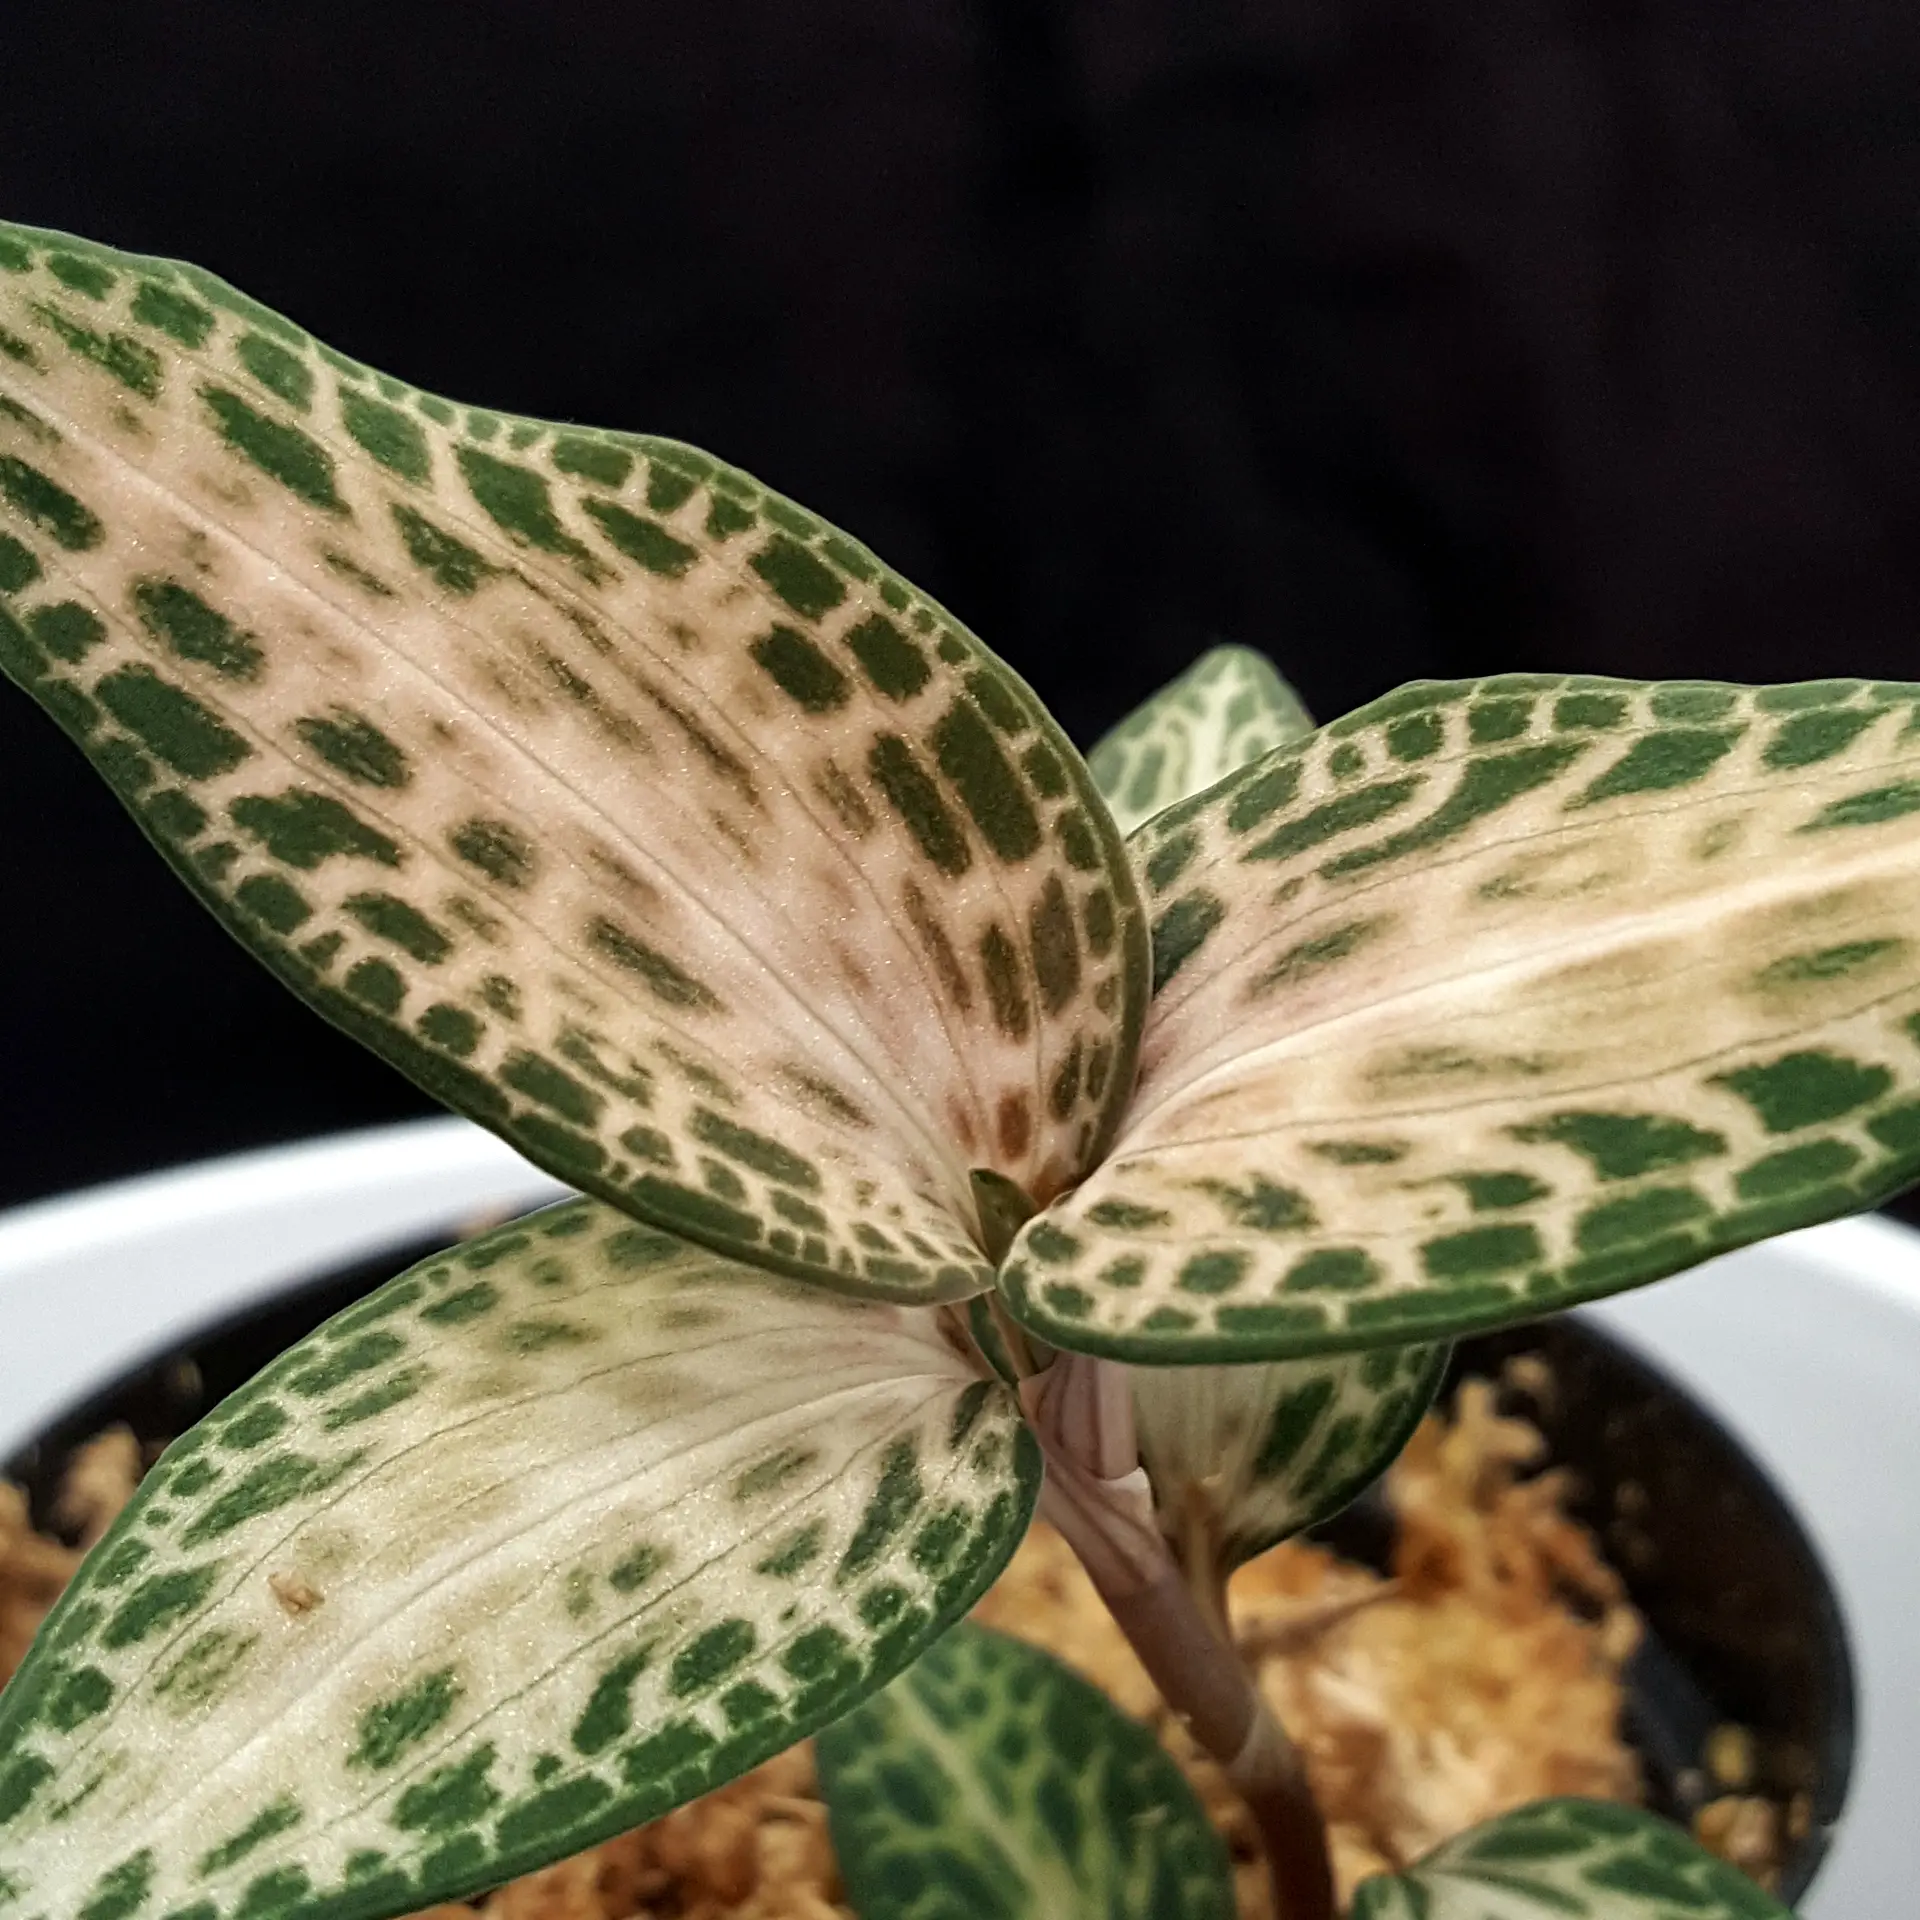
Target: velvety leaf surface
<point x="628" y="808"/>
<point x="1568" y="1860"/>
<point x="1229" y="707"/>
<point x="1244" y="1457"/>
<point x="990" y="1783"/>
<point x="1499" y="995"/>
<point x="548" y="1535"/>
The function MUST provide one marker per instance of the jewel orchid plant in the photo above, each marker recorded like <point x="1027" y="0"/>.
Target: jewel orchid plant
<point x="942" y="1153"/>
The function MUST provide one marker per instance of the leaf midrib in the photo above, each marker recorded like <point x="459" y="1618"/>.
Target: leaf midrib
<point x="887" y="1082"/>
<point x="1056" y="1895"/>
<point x="495" y="1410"/>
<point x="1587" y="944"/>
<point x="283" y="1705"/>
<point x="1344" y="893"/>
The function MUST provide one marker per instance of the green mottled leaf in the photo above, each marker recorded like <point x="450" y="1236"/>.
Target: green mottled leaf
<point x="1568" y="1860"/>
<point x="1498" y="995"/>
<point x="548" y="1535"/>
<point x="1242" y="1458"/>
<point x="1229" y="707"/>
<point x="988" y="1781"/>
<point x="631" y="810"/>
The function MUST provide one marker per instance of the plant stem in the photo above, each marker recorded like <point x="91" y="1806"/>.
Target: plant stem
<point x="1204" y="1682"/>
<point x="1084" y="1425"/>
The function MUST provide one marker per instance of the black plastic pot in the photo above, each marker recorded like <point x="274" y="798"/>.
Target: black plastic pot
<point x="1743" y="1627"/>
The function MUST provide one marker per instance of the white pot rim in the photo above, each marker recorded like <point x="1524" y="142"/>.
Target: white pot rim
<point x="1807" y="1348"/>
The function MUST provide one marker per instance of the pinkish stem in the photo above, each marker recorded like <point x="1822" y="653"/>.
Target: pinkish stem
<point x="1096" y="1495"/>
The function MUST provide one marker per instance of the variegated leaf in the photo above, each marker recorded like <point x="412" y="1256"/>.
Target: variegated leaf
<point x="1242" y="1458"/>
<point x="1568" y="1860"/>
<point x="1229" y="707"/>
<point x="1499" y="995"/>
<point x="628" y="808"/>
<point x="990" y="1782"/>
<point x="548" y="1535"/>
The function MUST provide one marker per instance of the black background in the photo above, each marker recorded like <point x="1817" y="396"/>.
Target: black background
<point x="1394" y="337"/>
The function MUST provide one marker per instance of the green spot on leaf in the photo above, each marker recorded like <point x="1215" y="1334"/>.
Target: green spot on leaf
<point x="1638" y="1217"/>
<point x="1868" y="809"/>
<point x="1796" y="1169"/>
<point x="518" y="500"/>
<point x="1806" y="739"/>
<point x="801" y="671"/>
<point x="1493" y="781"/>
<point x="50" y="507"/>
<point x="283" y="373"/>
<point x="160" y="1601"/>
<point x="190" y="627"/>
<point x="1490" y="1192"/>
<point x="18" y="566"/>
<point x="635" y="1568"/>
<point x="595" y="460"/>
<point x="1332" y="1270"/>
<point x="377" y="985"/>
<point x="131" y="362"/>
<point x="450" y="1797"/>
<point x="911" y="792"/>
<point x="282" y="452"/>
<point x="265" y="1487"/>
<point x="450" y="562"/>
<point x="1181" y="931"/>
<point x="1804" y="1088"/>
<point x="390" y="1728"/>
<point x="351" y="744"/>
<point x="1622" y="1146"/>
<point x="641" y="539"/>
<point x="179" y="729"/>
<point x="895" y="1500"/>
<point x="1480" y="1250"/>
<point x="755" y="1150"/>
<point x="972" y="760"/>
<point x="1261" y="1204"/>
<point x="401" y="924"/>
<point x="392" y="437"/>
<point x="707" y="1659"/>
<point x="667" y="980"/>
<point x="608" y="1715"/>
<point x="174" y="314"/>
<point x="807" y="584"/>
<point x="278" y="1817"/>
<point x="890" y="659"/>
<point x="303" y="829"/>
<point x="1212" y="1273"/>
<point x="122" y="1891"/>
<point x="66" y="630"/>
<point x="500" y="851"/>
